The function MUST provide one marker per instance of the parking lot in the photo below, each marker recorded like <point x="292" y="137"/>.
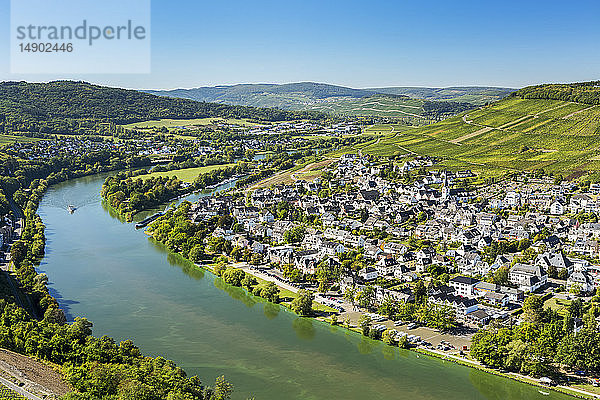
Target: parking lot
<point x="453" y="342"/>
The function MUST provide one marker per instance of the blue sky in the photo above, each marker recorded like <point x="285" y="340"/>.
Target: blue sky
<point x="359" y="43"/>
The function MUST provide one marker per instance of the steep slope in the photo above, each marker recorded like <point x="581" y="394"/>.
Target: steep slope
<point x="477" y="95"/>
<point x="517" y="133"/>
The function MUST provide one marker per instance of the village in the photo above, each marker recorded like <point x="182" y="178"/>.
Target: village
<point x="363" y="242"/>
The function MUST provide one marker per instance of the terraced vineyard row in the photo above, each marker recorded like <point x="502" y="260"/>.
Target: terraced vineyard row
<point x="511" y="135"/>
<point x="7" y="394"/>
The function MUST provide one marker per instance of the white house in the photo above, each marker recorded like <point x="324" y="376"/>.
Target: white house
<point x="368" y="273"/>
<point x="463" y="285"/>
<point x="529" y="278"/>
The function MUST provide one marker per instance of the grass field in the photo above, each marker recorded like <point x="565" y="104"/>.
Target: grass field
<point x="557" y="305"/>
<point x="187" y="174"/>
<point x="511" y="135"/>
<point x="307" y="171"/>
<point x="5" y="139"/>
<point x="174" y="124"/>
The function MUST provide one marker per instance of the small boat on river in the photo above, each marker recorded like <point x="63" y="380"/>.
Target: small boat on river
<point x="71" y="208"/>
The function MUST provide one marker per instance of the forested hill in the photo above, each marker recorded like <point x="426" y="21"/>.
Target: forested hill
<point x="304" y="95"/>
<point x="268" y="94"/>
<point x="582" y="92"/>
<point x="23" y="104"/>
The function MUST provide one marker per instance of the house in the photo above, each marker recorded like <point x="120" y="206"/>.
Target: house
<point x="478" y="317"/>
<point x="332" y="248"/>
<point x="496" y="298"/>
<point x="368" y="274"/>
<point x="408" y="259"/>
<point x="528" y="278"/>
<point x="556" y="260"/>
<point x="386" y="266"/>
<point x="514" y="295"/>
<point x="558" y="207"/>
<point x="580" y="281"/>
<point x="306" y="261"/>
<point x="463" y="285"/>
<point x="281" y="254"/>
<point x="461" y="305"/>
<point x="267" y="217"/>
<point x="372" y="251"/>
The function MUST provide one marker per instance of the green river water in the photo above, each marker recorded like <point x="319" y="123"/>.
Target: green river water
<point x="130" y="287"/>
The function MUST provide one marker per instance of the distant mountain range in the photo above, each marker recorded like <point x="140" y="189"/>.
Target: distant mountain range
<point x="408" y="102"/>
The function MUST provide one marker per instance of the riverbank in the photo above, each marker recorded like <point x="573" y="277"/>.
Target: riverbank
<point x="571" y="391"/>
<point x="286" y="290"/>
<point x="130" y="287"/>
<point x="463" y="361"/>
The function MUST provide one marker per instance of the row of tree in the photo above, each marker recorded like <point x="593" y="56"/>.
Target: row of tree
<point x="96" y="368"/>
<point x="544" y="342"/>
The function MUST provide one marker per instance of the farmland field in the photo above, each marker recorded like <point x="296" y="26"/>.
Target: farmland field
<point x="187" y="174"/>
<point x="7" y="394"/>
<point x="511" y="135"/>
<point x="383" y="106"/>
<point x="4" y="139"/>
<point x="185" y="123"/>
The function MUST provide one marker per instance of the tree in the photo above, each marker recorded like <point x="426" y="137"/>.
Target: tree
<point x="196" y="253"/>
<point x="291" y="273"/>
<point x="366" y="297"/>
<point x="500" y="276"/>
<point x="563" y="274"/>
<point x="350" y="295"/>
<point x="364" y="322"/>
<point x="256" y="259"/>
<point x="420" y="292"/>
<point x="294" y="235"/>
<point x="442" y="318"/>
<point x="249" y="281"/>
<point x="302" y="304"/>
<point x="233" y="276"/>
<point x="533" y="309"/>
<point x="552" y="271"/>
<point x="223" y="389"/>
<point x="386" y="337"/>
<point x="388" y="307"/>
<point x="268" y="291"/>
<point x="403" y="342"/>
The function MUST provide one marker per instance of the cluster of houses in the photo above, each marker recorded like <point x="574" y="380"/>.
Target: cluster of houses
<point x="431" y="208"/>
<point x="44" y="149"/>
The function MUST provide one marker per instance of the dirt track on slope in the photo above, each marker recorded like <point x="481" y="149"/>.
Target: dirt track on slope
<point x="37" y="378"/>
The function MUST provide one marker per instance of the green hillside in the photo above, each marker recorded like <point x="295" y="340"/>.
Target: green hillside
<point x="514" y="134"/>
<point x="77" y="107"/>
<point x="478" y="95"/>
<point x="396" y="102"/>
<point x="414" y="110"/>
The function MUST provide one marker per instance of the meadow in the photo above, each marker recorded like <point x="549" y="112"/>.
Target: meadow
<point x="187" y="174"/>
<point x="4" y="139"/>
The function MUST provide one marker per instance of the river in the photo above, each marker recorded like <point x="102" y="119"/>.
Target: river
<point x="130" y="287"/>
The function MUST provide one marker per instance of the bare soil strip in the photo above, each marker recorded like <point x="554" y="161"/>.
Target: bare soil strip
<point x="36" y="377"/>
<point x="577" y="112"/>
<point x="515" y="122"/>
<point x="471" y="135"/>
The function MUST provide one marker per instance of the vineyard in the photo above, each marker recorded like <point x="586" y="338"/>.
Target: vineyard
<point x="513" y="134"/>
<point x="7" y="394"/>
